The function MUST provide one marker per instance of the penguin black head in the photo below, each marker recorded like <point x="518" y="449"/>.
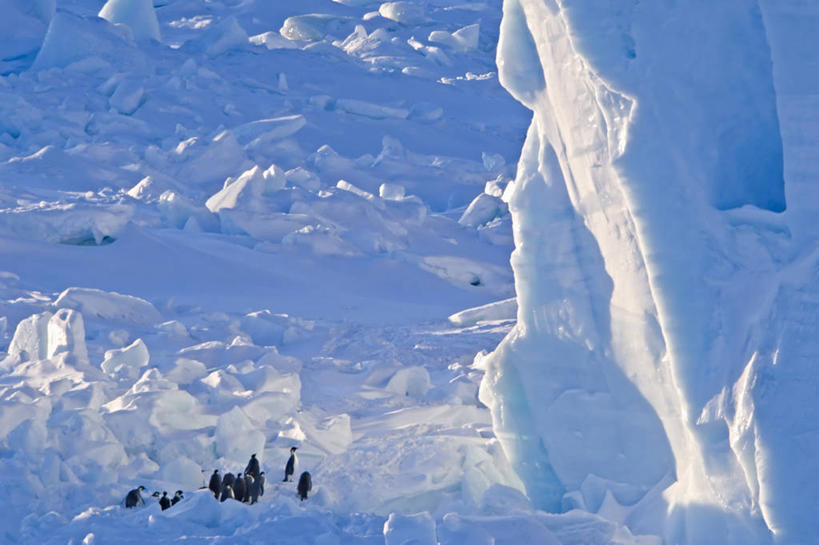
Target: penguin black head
<point x="164" y="493"/>
<point x="238" y="475"/>
<point x="262" y="473"/>
<point x="140" y="488"/>
<point x="215" y="471"/>
<point x="293" y="450"/>
<point x="178" y="493"/>
<point x="253" y="455"/>
<point x="155" y="494"/>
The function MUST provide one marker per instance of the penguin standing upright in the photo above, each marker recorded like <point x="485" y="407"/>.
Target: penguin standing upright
<point x="255" y="489"/>
<point x="215" y="484"/>
<point x="227" y="480"/>
<point x="164" y="501"/>
<point x="133" y="498"/>
<point x="250" y="482"/>
<point x="305" y="485"/>
<point x="252" y="468"/>
<point x="177" y="497"/>
<point x="239" y="488"/>
<point x="227" y="493"/>
<point x="290" y="468"/>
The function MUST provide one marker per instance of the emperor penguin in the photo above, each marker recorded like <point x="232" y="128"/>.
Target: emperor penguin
<point x="164" y="501"/>
<point x="215" y="484"/>
<point x="133" y="498"/>
<point x="239" y="488"/>
<point x="305" y="484"/>
<point x="260" y="480"/>
<point x="227" y="492"/>
<point x="227" y="480"/>
<point x="250" y="482"/>
<point x="177" y="497"/>
<point x="252" y="468"/>
<point x="290" y="468"/>
<point x="255" y="489"/>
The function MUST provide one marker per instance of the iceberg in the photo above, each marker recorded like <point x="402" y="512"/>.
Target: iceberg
<point x="659" y="361"/>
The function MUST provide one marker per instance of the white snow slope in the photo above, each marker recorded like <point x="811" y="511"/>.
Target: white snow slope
<point x="242" y="231"/>
<point x="662" y="367"/>
<point x="240" y="226"/>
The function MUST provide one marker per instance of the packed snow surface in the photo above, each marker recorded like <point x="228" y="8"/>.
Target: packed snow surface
<point x="230" y="228"/>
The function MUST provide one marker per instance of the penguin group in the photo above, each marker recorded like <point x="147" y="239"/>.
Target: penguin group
<point x="305" y="481"/>
<point x="245" y="488"/>
<point x="134" y="498"/>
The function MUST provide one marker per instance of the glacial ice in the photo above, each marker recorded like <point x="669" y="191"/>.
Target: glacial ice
<point x="647" y="267"/>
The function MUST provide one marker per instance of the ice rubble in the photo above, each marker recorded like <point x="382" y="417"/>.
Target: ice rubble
<point x="648" y="264"/>
<point x="138" y="15"/>
<point x="224" y="173"/>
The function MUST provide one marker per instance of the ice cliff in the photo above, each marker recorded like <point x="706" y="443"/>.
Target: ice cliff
<point x="661" y="371"/>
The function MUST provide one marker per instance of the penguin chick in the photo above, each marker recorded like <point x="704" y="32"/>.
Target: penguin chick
<point x="164" y="501"/>
<point x="305" y="485"/>
<point x="227" y="492"/>
<point x="133" y="498"/>
<point x="215" y="484"/>
<point x="290" y="468"/>
<point x="177" y="497"/>
<point x="252" y="468"/>
<point x="239" y="488"/>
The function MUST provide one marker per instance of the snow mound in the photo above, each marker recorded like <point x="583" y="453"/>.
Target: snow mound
<point x="138" y="15"/>
<point x="210" y="162"/>
<point x="105" y="305"/>
<point x="126" y="362"/>
<point x="22" y="29"/>
<point x="409" y="13"/>
<point x="410" y="381"/>
<point x="483" y="209"/>
<point x="313" y="27"/>
<point x="71" y="38"/>
<point x="227" y="35"/>
<point x="409" y="530"/>
<point x="30" y="340"/>
<point x="499" y="310"/>
<point x="462" y="40"/>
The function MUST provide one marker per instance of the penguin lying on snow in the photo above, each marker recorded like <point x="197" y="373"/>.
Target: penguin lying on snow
<point x="290" y="468"/>
<point x="133" y="498"/>
<point x="164" y="501"/>
<point x="305" y="484"/>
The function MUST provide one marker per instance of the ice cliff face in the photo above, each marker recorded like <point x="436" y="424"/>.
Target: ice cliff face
<point x="660" y="371"/>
